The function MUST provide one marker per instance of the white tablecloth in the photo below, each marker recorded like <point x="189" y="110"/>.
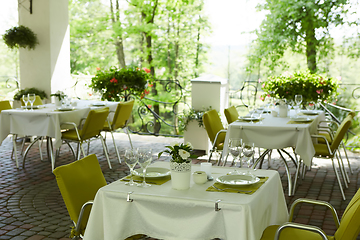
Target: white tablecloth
<point x="44" y="121"/>
<point x="276" y="133"/>
<point x="164" y="213"/>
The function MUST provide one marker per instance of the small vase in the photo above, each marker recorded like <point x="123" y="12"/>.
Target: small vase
<point x="57" y="102"/>
<point x="180" y="175"/>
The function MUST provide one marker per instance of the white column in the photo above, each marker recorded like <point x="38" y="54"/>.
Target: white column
<point x="48" y="66"/>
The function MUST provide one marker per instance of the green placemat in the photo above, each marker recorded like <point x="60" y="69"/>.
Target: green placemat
<point x="249" y="189"/>
<point x="295" y="122"/>
<point x="154" y="181"/>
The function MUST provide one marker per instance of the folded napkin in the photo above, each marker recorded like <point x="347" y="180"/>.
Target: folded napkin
<point x="154" y="181"/>
<point x="300" y="122"/>
<point x="245" y="189"/>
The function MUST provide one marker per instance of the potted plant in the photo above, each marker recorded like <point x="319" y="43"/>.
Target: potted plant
<point x="58" y="96"/>
<point x="180" y="164"/>
<point x="114" y="84"/>
<point x="313" y="87"/>
<point x="20" y="37"/>
<point x="20" y="93"/>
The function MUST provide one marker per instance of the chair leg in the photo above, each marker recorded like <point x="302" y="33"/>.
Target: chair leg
<point x="127" y="131"/>
<point x="40" y="148"/>
<point x="116" y="149"/>
<point x="14" y="149"/>
<point x="347" y="158"/>
<point x="82" y="150"/>
<point x="106" y="154"/>
<point x="297" y="173"/>
<point x="342" y="169"/>
<point x="338" y="178"/>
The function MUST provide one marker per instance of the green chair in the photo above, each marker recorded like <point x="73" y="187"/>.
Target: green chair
<point x="215" y="131"/>
<point x="329" y="133"/>
<point x="78" y="183"/>
<point x="231" y="114"/>
<point x="91" y="128"/>
<point x="347" y="229"/>
<point x="120" y="120"/>
<point x="331" y="150"/>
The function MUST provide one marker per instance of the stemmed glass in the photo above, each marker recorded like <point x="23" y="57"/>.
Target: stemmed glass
<point x="131" y="158"/>
<point x="251" y="109"/>
<point x="25" y="99"/>
<point x="258" y="114"/>
<point x="31" y="99"/>
<point x="235" y="148"/>
<point x="144" y="160"/>
<point x="248" y="150"/>
<point x="298" y="100"/>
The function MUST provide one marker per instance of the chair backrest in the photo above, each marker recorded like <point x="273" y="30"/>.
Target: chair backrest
<point x="231" y="114"/>
<point x="350" y="222"/>
<point x="340" y="132"/>
<point x="122" y="114"/>
<point x="213" y="125"/>
<point x="94" y="123"/>
<point x="37" y="101"/>
<point x="78" y="183"/>
<point x="4" y="105"/>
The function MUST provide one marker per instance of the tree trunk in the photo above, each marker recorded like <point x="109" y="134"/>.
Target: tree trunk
<point x="311" y="44"/>
<point x="118" y="41"/>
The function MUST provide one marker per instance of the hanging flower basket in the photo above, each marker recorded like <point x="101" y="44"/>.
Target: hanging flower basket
<point x="20" y="37"/>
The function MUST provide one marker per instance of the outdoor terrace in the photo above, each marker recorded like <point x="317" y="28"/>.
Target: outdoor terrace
<point x="31" y="206"/>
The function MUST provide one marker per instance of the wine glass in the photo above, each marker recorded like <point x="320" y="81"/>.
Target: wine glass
<point x="258" y="114"/>
<point x="248" y="150"/>
<point x="144" y="159"/>
<point x="298" y="100"/>
<point x="311" y="106"/>
<point x="251" y="109"/>
<point x="235" y="151"/>
<point x="131" y="158"/>
<point x="25" y="99"/>
<point x="31" y="99"/>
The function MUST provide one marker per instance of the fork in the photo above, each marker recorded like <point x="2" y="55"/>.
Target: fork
<point x="239" y="191"/>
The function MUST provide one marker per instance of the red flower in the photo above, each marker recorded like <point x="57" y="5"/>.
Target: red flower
<point x="97" y="69"/>
<point x="90" y="94"/>
<point x="262" y="98"/>
<point x="114" y="80"/>
<point x="146" y="70"/>
<point x="146" y="91"/>
<point x="319" y="91"/>
<point x="125" y="87"/>
<point x="150" y="85"/>
<point x="142" y="96"/>
<point x="149" y="106"/>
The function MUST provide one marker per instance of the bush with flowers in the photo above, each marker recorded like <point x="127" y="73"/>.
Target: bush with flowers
<point x="179" y="153"/>
<point x="114" y="84"/>
<point x="312" y="87"/>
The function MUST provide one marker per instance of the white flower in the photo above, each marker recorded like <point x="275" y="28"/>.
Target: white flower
<point x="189" y="145"/>
<point x="184" y="154"/>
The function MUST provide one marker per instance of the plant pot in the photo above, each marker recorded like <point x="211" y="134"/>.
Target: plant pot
<point x="57" y="102"/>
<point x="180" y="175"/>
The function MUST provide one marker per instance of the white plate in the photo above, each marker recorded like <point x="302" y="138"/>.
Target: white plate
<point x="65" y="108"/>
<point x="310" y="112"/>
<point x="98" y="104"/>
<point x="248" y="118"/>
<point x="301" y="119"/>
<point x="238" y="180"/>
<point x="152" y="172"/>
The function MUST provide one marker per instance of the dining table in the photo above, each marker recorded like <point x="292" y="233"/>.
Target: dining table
<point x="274" y="132"/>
<point x="200" y="212"/>
<point x="46" y="120"/>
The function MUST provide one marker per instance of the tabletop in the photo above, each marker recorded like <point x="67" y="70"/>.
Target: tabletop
<point x="162" y="212"/>
<point x="278" y="133"/>
<point x="46" y="120"/>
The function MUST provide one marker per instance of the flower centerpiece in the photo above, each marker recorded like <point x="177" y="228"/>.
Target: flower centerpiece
<point x="313" y="87"/>
<point x="114" y="84"/>
<point x="180" y="164"/>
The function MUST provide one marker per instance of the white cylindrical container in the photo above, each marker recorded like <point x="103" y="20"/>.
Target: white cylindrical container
<point x="206" y="167"/>
<point x="180" y="175"/>
<point x="200" y="177"/>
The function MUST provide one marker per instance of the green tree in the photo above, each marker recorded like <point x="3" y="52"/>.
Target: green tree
<point x="303" y="26"/>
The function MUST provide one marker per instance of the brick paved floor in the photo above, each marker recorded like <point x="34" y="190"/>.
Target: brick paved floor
<point x="31" y="206"/>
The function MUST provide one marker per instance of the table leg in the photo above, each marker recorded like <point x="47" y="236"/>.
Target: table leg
<point x="28" y="148"/>
<point x="261" y="158"/>
<point x="287" y="173"/>
<point x="14" y="147"/>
